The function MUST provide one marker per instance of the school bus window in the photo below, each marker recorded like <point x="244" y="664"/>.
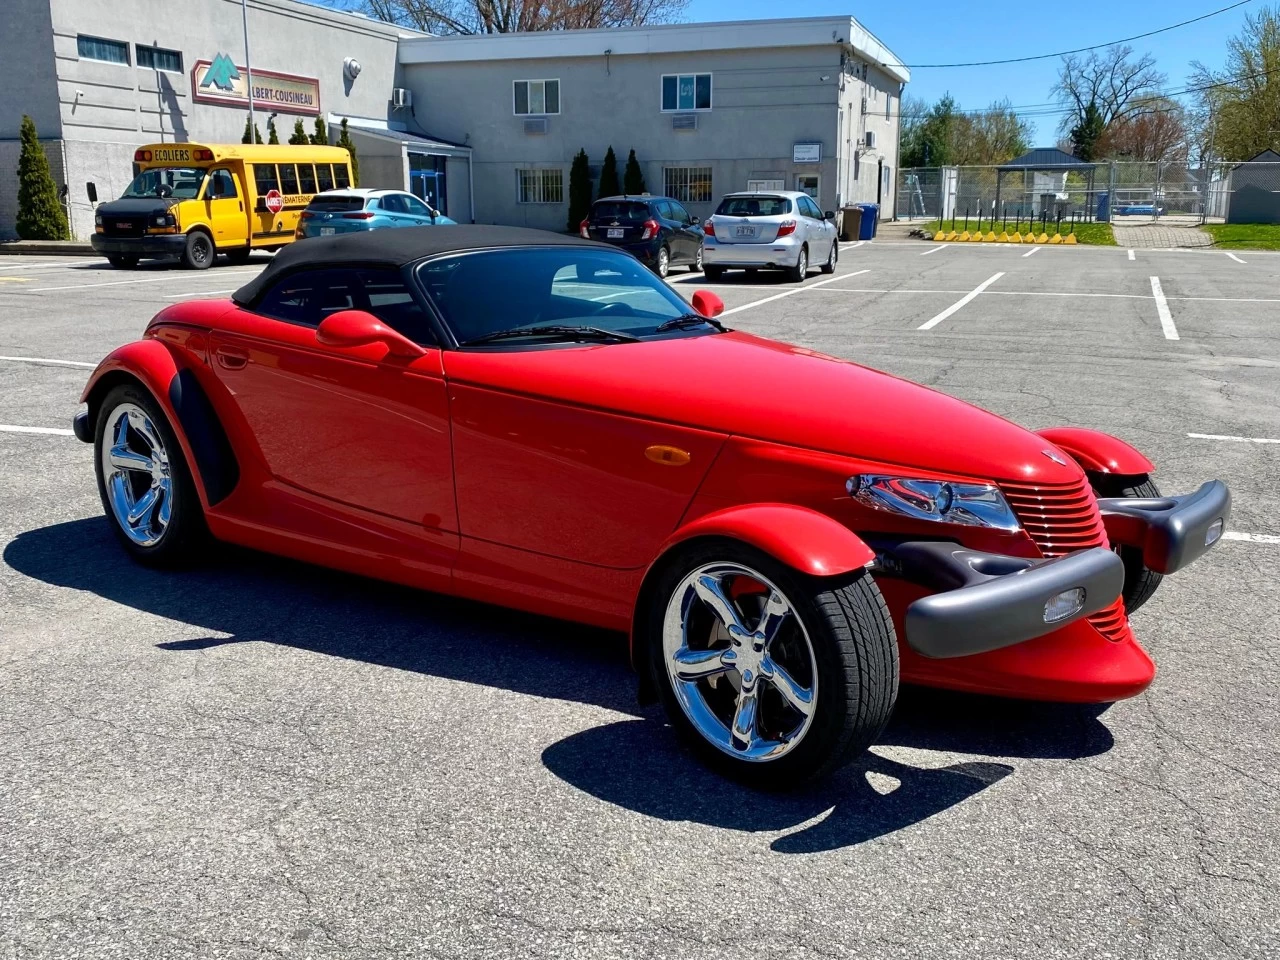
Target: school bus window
<point x="288" y="178"/>
<point x="307" y="178"/>
<point x="324" y="177"/>
<point x="340" y="179"/>
<point x="264" y="178"/>
<point x="221" y="185"/>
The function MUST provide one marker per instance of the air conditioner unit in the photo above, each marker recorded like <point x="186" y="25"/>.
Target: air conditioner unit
<point x="401" y="97"/>
<point x="871" y="139"/>
<point x="684" y="121"/>
<point x="535" y="126"/>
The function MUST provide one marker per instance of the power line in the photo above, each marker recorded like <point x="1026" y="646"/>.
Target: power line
<point x="1063" y="53"/>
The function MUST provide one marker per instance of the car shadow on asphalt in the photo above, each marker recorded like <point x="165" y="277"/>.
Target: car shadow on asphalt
<point x="258" y="598"/>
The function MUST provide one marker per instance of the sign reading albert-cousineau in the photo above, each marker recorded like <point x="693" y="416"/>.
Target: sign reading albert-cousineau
<point x="220" y="81"/>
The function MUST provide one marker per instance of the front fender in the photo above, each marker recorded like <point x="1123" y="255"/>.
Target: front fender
<point x="1098" y="452"/>
<point x="176" y="388"/>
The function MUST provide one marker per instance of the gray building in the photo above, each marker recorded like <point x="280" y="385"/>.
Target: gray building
<point x="484" y="127"/>
<point x="809" y="104"/>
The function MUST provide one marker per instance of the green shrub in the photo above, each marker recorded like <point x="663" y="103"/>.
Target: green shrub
<point x="609" y="185"/>
<point x="579" y="191"/>
<point x="40" y="212"/>
<point x="632" y="178"/>
<point x="299" y="135"/>
<point x="321" y="136"/>
<point x="344" y="140"/>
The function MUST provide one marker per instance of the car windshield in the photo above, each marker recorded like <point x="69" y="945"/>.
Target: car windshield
<point x="753" y="207"/>
<point x="335" y="203"/>
<point x="488" y="291"/>
<point x="620" y="210"/>
<point x="181" y="182"/>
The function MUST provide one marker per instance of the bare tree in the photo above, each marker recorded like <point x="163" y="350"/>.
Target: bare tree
<point x="511" y="16"/>
<point x="1158" y="131"/>
<point x="1111" y="79"/>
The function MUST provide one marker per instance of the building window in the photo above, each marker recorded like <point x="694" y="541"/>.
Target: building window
<point x="95" y="48"/>
<point x="687" y="184"/>
<point x="686" y="91"/>
<point x="888" y="105"/>
<point x="539" y="186"/>
<point x="158" y="58"/>
<point x="536" y="97"/>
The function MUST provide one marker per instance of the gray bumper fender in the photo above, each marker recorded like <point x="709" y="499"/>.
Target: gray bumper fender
<point x="988" y="601"/>
<point x="1171" y="531"/>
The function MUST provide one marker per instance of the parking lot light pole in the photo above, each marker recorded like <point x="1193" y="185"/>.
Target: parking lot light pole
<point x="248" y="70"/>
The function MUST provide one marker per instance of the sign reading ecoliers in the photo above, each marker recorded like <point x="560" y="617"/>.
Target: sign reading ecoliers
<point x="220" y="81"/>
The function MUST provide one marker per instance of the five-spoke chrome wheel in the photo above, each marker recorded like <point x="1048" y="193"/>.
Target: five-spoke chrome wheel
<point x="137" y="475"/>
<point x="740" y="661"/>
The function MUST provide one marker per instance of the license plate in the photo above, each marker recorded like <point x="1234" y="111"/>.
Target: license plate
<point x="326" y="231"/>
<point x="615" y="233"/>
<point x="745" y="232"/>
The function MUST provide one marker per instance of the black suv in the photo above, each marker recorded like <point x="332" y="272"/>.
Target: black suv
<point x="657" y="230"/>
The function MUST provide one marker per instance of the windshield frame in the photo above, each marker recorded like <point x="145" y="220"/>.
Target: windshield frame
<point x="200" y="185"/>
<point x="454" y="339"/>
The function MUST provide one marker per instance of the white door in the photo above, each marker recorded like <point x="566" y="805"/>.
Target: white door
<point x="808" y="183"/>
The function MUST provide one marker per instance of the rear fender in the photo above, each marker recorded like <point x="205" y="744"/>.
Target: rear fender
<point x="175" y="387"/>
<point x="803" y="539"/>
<point x="1098" y="452"/>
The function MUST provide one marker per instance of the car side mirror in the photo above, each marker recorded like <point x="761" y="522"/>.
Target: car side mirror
<point x="707" y="303"/>
<point x="355" y="328"/>
<point x="93" y="191"/>
<point x="829" y="215"/>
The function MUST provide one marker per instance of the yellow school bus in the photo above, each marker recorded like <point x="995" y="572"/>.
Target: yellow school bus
<point x="194" y="201"/>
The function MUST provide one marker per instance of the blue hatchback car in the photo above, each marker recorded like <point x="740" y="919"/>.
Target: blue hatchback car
<point x="352" y="210"/>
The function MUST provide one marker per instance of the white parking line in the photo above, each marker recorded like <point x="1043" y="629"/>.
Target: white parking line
<point x="1030" y="252"/>
<point x="1250" y="537"/>
<point x="1162" y="308"/>
<point x="787" y="293"/>
<point x="202" y="293"/>
<point x="1131" y="256"/>
<point x="967" y="298"/>
<point x="934" y="250"/>
<point x="173" y="276"/>
<point x="1231" y="439"/>
<point x="51" y="363"/>
<point x="1235" y="258"/>
<point x="52" y="431"/>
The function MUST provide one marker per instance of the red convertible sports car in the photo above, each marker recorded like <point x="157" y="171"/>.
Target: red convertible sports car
<point x="537" y="421"/>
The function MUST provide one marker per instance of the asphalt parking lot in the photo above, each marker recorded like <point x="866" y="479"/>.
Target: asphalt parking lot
<point x="262" y="758"/>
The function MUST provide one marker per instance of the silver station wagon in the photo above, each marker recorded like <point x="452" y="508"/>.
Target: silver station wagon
<point x="773" y="230"/>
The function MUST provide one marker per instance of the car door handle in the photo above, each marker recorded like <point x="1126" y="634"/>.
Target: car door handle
<point x="231" y="358"/>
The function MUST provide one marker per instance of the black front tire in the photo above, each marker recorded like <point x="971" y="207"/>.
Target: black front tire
<point x="122" y="262"/>
<point x="186" y="532"/>
<point x="1139" y="582"/>
<point x="713" y="274"/>
<point x="855" y="650"/>
<point x="199" y="252"/>
<point x="832" y="258"/>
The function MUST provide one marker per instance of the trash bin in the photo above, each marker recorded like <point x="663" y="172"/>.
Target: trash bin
<point x="1104" y="207"/>
<point x="870" y="220"/>
<point x="850" y="222"/>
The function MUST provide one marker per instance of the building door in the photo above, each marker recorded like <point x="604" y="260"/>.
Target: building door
<point x="880" y="181"/>
<point x="765" y="185"/>
<point x="808" y="183"/>
<point x="427" y="180"/>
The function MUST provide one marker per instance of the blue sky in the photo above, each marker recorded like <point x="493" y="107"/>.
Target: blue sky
<point x="948" y="31"/>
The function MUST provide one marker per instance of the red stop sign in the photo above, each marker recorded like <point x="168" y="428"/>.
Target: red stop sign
<point x="274" y="202"/>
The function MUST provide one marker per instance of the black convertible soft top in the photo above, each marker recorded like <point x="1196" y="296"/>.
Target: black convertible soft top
<point x="396" y="247"/>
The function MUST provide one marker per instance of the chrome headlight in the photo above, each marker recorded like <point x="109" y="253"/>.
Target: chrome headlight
<point x="970" y="504"/>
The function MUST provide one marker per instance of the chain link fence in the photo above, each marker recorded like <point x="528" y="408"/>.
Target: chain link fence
<point x="1124" y="192"/>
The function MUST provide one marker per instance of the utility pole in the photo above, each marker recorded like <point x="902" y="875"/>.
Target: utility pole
<point x="244" y="16"/>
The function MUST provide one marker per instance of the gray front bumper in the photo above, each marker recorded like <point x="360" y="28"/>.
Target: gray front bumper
<point x="988" y="601"/>
<point x="1170" y="531"/>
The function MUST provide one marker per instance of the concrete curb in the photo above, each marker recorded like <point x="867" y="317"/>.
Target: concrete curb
<point x="66" y="248"/>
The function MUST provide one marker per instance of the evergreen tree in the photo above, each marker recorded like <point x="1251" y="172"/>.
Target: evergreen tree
<point x="321" y="136"/>
<point x="40" y="212"/>
<point x="1086" y="134"/>
<point x="632" y="178"/>
<point x="344" y="140"/>
<point x="251" y="134"/>
<point x="272" y="137"/>
<point x="299" y="135"/>
<point x="579" y="190"/>
<point x="609" y="186"/>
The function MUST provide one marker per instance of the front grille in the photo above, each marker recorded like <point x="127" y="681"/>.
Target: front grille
<point x="1062" y="518"/>
<point x="124" y="226"/>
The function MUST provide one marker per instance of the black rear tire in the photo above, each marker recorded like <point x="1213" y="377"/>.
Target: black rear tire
<point x="855" y="651"/>
<point x="122" y="262"/>
<point x="797" y="273"/>
<point x="185" y="532"/>
<point x="713" y="274"/>
<point x="1139" y="582"/>
<point x="239" y="255"/>
<point x="199" y="252"/>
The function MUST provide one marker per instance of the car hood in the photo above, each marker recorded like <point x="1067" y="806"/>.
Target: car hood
<point x="736" y="383"/>
<point x="138" y="206"/>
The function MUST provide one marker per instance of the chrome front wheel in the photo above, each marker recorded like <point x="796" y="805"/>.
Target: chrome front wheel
<point x="139" y="481"/>
<point x="740" y="661"/>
